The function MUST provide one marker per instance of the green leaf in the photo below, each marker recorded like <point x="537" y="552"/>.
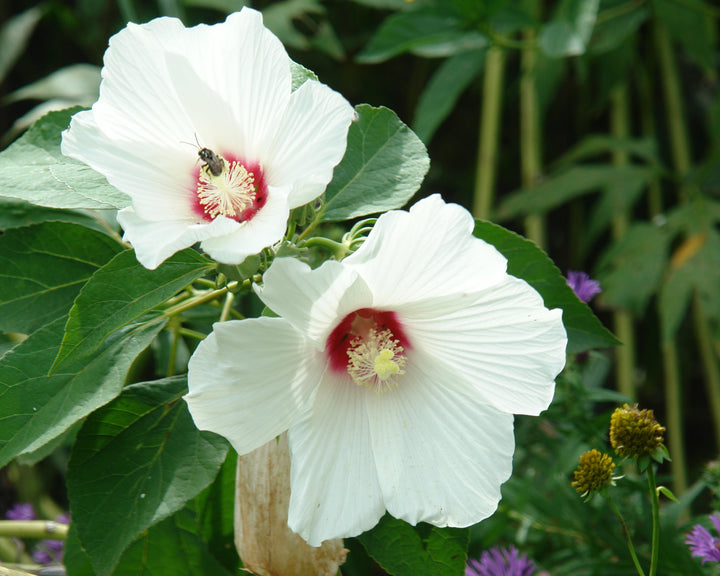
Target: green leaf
<point x="434" y="28"/>
<point x="139" y="459"/>
<point x="631" y="270"/>
<point x="383" y="167"/>
<point x="527" y="261"/>
<point x="169" y="547"/>
<point x="216" y="518"/>
<point x="692" y="25"/>
<point x="34" y="170"/>
<point x="611" y="33"/>
<point x="16" y="213"/>
<point x="569" y="32"/>
<point x="119" y="293"/>
<point x="442" y="92"/>
<point x="602" y="144"/>
<point x="36" y="407"/>
<point x="42" y="269"/>
<point x="574" y="182"/>
<point x="695" y="273"/>
<point x="402" y="550"/>
<point x="300" y="74"/>
<point x="14" y="36"/>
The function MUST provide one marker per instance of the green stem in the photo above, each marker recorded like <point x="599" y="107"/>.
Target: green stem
<point x="626" y="533"/>
<point x="680" y="147"/>
<point x="192" y="333"/>
<point x="710" y="367"/>
<point x="127" y="10"/>
<point x="647" y="122"/>
<point x="530" y="153"/>
<point x="174" y="341"/>
<point x="623" y="320"/>
<point x="33" y="529"/>
<point x="655" y="554"/>
<point x="197" y="300"/>
<point x="339" y="250"/>
<point x="227" y="306"/>
<point x="673" y="415"/>
<point x="489" y="132"/>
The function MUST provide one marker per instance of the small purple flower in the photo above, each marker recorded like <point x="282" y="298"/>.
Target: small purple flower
<point x="500" y="562"/>
<point x="48" y="552"/>
<point x="21" y="511"/>
<point x="702" y="543"/>
<point x="584" y="287"/>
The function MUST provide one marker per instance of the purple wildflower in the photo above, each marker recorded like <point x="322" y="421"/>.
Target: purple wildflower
<point x="584" y="287"/>
<point x="500" y="562"/>
<point x="21" y="511"/>
<point x="702" y="543"/>
<point x="48" y="551"/>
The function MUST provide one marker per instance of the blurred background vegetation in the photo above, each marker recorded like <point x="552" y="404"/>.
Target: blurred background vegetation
<point x="590" y="126"/>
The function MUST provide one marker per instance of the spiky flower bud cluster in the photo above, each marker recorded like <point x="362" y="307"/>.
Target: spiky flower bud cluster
<point x="634" y="432"/>
<point x="594" y="472"/>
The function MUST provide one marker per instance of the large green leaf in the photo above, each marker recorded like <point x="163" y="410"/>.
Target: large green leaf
<point x="35" y="170"/>
<point x="435" y="31"/>
<point x="442" y="92"/>
<point x="42" y="269"/>
<point x="527" y="261"/>
<point x="383" y="167"/>
<point x="138" y="460"/>
<point x="36" y="407"/>
<point x="119" y="293"/>
<point x="569" y="32"/>
<point x="169" y="547"/>
<point x="402" y="550"/>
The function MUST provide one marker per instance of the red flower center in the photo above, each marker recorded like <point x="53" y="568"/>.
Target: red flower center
<point x="370" y="345"/>
<point x="228" y="186"/>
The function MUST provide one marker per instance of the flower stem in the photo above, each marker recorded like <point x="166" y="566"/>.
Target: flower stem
<point x="530" y="153"/>
<point x="623" y="320"/>
<point x="227" y="306"/>
<point x="628" y="539"/>
<point x="655" y="520"/>
<point x="33" y="529"/>
<point x="339" y="250"/>
<point x="489" y="132"/>
<point x="673" y="404"/>
<point x="197" y="300"/>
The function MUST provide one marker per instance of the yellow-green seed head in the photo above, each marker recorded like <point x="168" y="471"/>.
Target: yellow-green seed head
<point x="635" y="432"/>
<point x="593" y="473"/>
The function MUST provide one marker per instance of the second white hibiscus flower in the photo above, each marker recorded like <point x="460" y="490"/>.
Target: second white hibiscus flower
<point x="265" y="149"/>
<point x="396" y="373"/>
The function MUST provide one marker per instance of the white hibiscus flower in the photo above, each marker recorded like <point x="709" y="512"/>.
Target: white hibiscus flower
<point x="396" y="373"/>
<point x="261" y="149"/>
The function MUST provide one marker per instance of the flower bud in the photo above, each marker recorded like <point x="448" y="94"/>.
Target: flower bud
<point x="634" y="432"/>
<point x="594" y="473"/>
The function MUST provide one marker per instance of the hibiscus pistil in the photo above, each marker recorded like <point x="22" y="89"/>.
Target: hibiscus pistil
<point x="230" y="193"/>
<point x="377" y="361"/>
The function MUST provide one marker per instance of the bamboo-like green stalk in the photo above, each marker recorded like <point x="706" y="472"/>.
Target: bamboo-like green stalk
<point x="680" y="149"/>
<point x="673" y="416"/>
<point x="530" y="143"/>
<point x="622" y="319"/>
<point x="489" y="132"/>
<point x="671" y="370"/>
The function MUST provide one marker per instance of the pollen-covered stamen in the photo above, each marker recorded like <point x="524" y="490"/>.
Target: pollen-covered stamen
<point x="230" y="193"/>
<point x="376" y="361"/>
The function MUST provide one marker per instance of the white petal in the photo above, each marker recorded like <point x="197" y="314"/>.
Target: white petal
<point x="425" y="253"/>
<point x="249" y="379"/>
<point x="250" y="66"/>
<point x="334" y="485"/>
<point x="159" y="180"/>
<point x="310" y="142"/>
<point x="265" y="229"/>
<point x="313" y="301"/>
<point x="441" y="453"/>
<point x="156" y="241"/>
<point x="501" y="341"/>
